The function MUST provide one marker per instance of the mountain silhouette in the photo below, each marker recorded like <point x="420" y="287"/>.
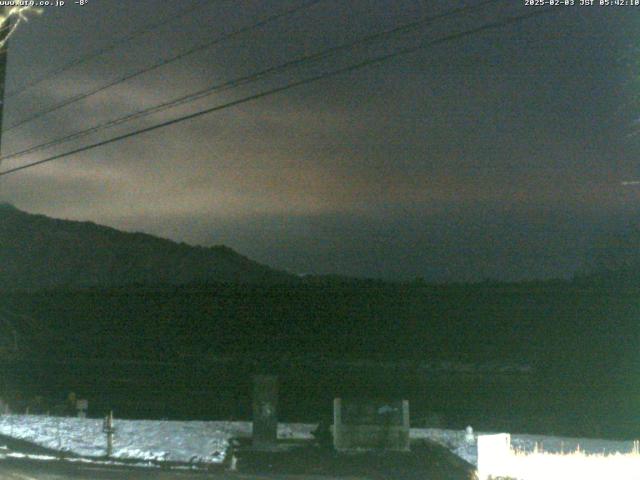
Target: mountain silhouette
<point x="39" y="252"/>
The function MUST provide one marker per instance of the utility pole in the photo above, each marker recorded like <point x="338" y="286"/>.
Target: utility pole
<point x="4" y="32"/>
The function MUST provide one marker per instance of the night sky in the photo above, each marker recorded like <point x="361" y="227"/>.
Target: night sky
<point x="501" y="155"/>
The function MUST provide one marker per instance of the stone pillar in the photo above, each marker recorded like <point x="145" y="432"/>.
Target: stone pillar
<point x="265" y="411"/>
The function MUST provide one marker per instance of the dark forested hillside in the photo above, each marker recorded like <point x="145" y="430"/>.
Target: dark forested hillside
<point x="102" y="292"/>
<point x="528" y="323"/>
<point x="580" y="341"/>
<point x="40" y="252"/>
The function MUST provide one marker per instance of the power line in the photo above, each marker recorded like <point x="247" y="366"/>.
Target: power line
<point x="5" y="28"/>
<point x="250" y="78"/>
<point x="107" y="48"/>
<point x="350" y="68"/>
<point x="162" y="63"/>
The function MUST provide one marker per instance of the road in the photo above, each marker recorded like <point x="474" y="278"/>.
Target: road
<point x="426" y="460"/>
<point x="11" y="469"/>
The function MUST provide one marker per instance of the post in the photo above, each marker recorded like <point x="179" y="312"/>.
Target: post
<point x="107" y="427"/>
<point x="406" y="423"/>
<point x="265" y="411"/>
<point x="337" y="423"/>
<point x="82" y="405"/>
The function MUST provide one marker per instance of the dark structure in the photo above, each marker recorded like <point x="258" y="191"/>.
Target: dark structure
<point x="371" y="424"/>
<point x="265" y="408"/>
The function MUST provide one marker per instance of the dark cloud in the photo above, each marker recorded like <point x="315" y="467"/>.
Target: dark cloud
<point x="500" y="155"/>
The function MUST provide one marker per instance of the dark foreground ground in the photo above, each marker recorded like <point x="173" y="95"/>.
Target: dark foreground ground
<point x="36" y="470"/>
<point x="425" y="462"/>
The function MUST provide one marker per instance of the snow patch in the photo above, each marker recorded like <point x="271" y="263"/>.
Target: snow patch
<point x="200" y="442"/>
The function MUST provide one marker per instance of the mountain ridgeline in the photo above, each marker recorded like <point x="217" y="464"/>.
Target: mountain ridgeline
<point x="37" y="252"/>
<point x="137" y="313"/>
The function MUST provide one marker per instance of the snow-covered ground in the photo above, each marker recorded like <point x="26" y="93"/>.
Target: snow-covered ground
<point x="196" y="442"/>
<point x="455" y="441"/>
<point x="207" y="442"/>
